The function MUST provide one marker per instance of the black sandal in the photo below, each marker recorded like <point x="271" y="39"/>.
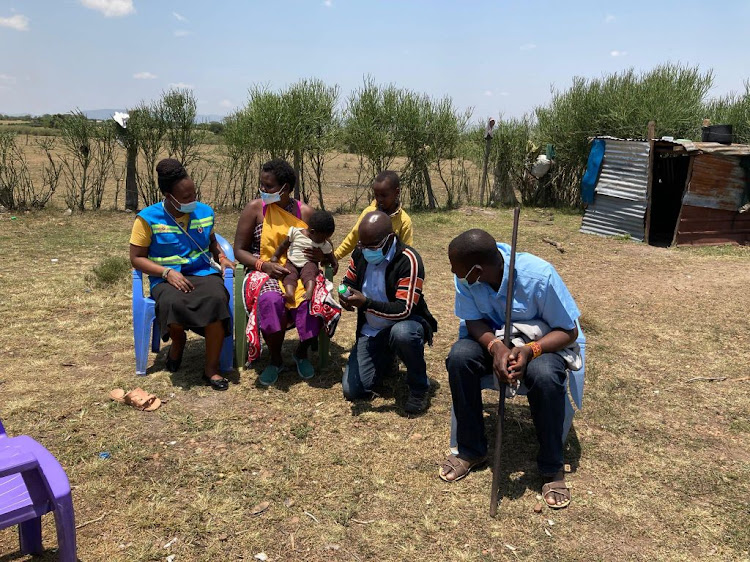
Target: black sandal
<point x="217" y="384"/>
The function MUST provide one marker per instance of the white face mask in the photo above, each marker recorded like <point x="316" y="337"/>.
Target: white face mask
<point x="465" y="280"/>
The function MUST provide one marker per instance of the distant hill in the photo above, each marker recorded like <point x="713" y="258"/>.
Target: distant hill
<point x="102" y="114"/>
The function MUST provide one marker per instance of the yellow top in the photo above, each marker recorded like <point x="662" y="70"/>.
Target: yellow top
<point x="276" y="225"/>
<point x="141" y="233"/>
<point x="401" y="226"/>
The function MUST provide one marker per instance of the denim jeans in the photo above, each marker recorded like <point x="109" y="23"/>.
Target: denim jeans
<point x="545" y="378"/>
<point x="371" y="359"/>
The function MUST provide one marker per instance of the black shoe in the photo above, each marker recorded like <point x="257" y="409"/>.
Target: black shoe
<point x="173" y="364"/>
<point x="417" y="402"/>
<point x="217" y="384"/>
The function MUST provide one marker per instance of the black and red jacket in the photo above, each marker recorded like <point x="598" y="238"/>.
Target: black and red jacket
<point x="404" y="278"/>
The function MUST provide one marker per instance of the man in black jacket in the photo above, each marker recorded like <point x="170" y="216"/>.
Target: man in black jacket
<point x="384" y="282"/>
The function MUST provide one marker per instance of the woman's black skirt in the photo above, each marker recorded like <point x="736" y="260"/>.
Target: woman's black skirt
<point x="208" y="302"/>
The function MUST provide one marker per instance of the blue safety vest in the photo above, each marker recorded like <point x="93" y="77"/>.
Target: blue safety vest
<point x="171" y="247"/>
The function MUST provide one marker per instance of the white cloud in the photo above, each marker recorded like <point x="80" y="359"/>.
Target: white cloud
<point x="618" y="53"/>
<point x="503" y="94"/>
<point x="328" y="3"/>
<point x="17" y="22"/>
<point x="144" y="76"/>
<point x="181" y="33"/>
<point x="528" y="46"/>
<point x="488" y="93"/>
<point x="179" y="17"/>
<point x="609" y="18"/>
<point x="110" y="8"/>
<point x="181" y="85"/>
<point x="7" y="79"/>
<point x="226" y="104"/>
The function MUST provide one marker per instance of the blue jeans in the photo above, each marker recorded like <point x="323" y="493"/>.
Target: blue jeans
<point x="545" y="378"/>
<point x="371" y="359"/>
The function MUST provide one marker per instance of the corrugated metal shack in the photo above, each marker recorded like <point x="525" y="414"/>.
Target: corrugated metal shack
<point x="686" y="193"/>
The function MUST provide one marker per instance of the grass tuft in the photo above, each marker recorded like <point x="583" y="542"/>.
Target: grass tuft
<point x="110" y="270"/>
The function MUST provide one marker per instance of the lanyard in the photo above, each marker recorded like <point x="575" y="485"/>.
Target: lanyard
<point x="203" y="253"/>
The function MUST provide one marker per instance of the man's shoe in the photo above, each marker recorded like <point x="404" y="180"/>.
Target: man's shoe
<point x="417" y="402"/>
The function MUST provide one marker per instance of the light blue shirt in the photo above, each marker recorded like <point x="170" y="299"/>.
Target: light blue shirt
<point x="538" y="294"/>
<point x="373" y="287"/>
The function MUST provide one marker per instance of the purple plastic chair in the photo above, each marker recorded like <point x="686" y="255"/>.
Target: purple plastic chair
<point x="33" y="483"/>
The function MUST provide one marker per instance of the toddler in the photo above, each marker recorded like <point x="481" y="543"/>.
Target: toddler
<point x="319" y="229"/>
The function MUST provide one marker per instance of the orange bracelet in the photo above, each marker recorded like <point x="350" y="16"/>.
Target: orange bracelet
<point x="536" y="348"/>
<point x="493" y="342"/>
<point x="259" y="264"/>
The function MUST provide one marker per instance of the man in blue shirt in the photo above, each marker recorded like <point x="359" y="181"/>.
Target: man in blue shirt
<point x="481" y="267"/>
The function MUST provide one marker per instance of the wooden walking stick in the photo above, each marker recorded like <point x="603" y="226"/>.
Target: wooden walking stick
<point x="495" y="493"/>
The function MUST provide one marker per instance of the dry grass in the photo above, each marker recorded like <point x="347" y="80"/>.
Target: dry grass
<point x="660" y="465"/>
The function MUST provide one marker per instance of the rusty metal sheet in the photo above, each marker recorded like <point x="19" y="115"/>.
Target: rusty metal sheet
<point x="717" y="182"/>
<point x="712" y="147"/>
<point x="700" y="226"/>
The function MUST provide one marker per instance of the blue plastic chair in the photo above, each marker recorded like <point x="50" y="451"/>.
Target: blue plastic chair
<point x="33" y="483"/>
<point x="145" y="329"/>
<point x="575" y="385"/>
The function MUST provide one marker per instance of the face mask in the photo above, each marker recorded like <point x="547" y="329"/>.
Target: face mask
<point x="377" y="255"/>
<point x="269" y="198"/>
<point x="373" y="257"/>
<point x="184" y="207"/>
<point x="464" y="281"/>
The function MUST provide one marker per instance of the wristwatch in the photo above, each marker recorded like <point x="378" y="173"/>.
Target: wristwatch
<point x="165" y="273"/>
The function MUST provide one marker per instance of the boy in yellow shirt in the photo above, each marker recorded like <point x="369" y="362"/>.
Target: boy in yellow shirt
<point x="386" y="188"/>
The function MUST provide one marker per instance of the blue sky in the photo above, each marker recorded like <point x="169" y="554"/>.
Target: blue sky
<point x="498" y="57"/>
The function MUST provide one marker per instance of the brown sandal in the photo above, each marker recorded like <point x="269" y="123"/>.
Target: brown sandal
<point x="461" y="467"/>
<point x="137" y="398"/>
<point x="560" y="487"/>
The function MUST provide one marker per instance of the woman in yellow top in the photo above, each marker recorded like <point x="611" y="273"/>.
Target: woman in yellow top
<point x="173" y="242"/>
<point x="386" y="188"/>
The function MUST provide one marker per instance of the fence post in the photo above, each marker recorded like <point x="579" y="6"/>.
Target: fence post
<point x="487" y="147"/>
<point x="649" y="177"/>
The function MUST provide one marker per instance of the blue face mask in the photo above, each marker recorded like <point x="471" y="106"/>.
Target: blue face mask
<point x="464" y="281"/>
<point x="377" y="255"/>
<point x="269" y="198"/>
<point x="373" y="257"/>
<point x="184" y="207"/>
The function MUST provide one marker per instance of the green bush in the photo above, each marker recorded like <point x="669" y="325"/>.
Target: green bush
<point x="110" y="270"/>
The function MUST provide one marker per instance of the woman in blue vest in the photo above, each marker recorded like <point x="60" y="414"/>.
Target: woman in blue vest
<point x="173" y="243"/>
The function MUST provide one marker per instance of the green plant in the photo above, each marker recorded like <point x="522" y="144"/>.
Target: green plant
<point x="621" y="105"/>
<point x="110" y="270"/>
<point x="370" y="127"/>
<point x="147" y="129"/>
<point x="183" y="137"/>
<point x="301" y="431"/>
